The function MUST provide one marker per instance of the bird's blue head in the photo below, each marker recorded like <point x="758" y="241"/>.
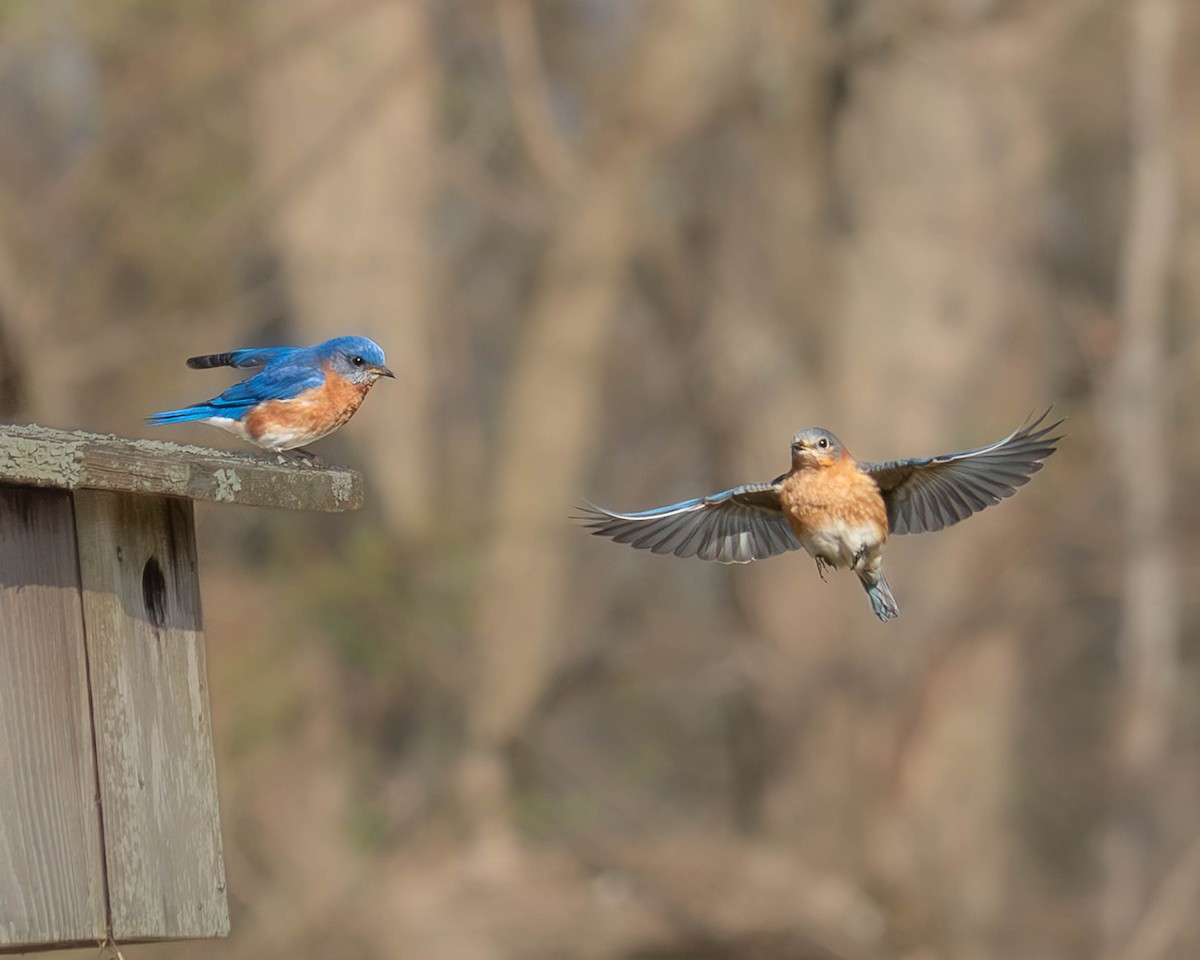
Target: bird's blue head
<point x="357" y="359"/>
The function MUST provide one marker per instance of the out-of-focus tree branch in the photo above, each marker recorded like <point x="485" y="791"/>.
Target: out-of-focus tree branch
<point x="530" y="94"/>
<point x="374" y="96"/>
<point x="1172" y="906"/>
<point x="1138" y="408"/>
<point x="345" y="148"/>
<point x="553" y="401"/>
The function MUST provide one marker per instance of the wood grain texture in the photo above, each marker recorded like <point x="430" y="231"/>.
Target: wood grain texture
<point x="51" y="869"/>
<point x="141" y="602"/>
<point x="41" y="457"/>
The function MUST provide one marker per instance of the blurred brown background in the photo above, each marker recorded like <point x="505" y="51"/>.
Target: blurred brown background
<point x="620" y="251"/>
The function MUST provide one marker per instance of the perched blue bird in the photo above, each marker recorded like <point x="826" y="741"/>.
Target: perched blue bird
<point x="301" y="394"/>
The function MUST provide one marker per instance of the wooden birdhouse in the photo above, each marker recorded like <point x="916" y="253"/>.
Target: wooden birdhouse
<point x="108" y="798"/>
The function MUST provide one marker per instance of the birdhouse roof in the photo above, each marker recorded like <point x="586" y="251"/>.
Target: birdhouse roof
<point x="69" y="460"/>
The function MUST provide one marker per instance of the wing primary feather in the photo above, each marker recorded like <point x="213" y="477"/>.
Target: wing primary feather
<point x="688" y="544"/>
<point x="930" y="493"/>
<point x="678" y="539"/>
<point x="710" y="547"/>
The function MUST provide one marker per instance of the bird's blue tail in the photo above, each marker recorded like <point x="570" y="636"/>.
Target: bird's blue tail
<point x="202" y="412"/>
<point x="882" y="601"/>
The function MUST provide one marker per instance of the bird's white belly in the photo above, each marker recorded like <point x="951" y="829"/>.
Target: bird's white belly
<point x="281" y="438"/>
<point x="839" y="543"/>
<point x="236" y="427"/>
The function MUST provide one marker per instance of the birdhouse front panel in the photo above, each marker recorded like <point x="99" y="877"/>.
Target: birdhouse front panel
<point x="51" y="866"/>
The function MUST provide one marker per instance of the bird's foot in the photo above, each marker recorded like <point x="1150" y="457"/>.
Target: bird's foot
<point x="822" y="566"/>
<point x="299" y="457"/>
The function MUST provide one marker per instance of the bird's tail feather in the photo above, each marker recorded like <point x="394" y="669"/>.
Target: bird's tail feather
<point x="179" y="416"/>
<point x="882" y="601"/>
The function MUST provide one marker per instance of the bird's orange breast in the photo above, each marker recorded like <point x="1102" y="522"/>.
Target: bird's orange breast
<point x="311" y="414"/>
<point x="835" y="494"/>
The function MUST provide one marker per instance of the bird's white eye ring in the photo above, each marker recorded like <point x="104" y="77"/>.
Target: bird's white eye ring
<point x="357" y="361"/>
<point x="822" y="443"/>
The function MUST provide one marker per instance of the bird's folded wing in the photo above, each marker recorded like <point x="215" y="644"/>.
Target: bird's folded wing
<point x="930" y="493"/>
<point x="274" y="383"/>
<point x="734" y="526"/>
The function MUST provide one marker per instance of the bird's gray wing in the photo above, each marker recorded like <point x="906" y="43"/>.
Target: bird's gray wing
<point x="734" y="526"/>
<point x="934" y="492"/>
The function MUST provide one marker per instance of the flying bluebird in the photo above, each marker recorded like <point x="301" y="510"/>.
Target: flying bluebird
<point x="838" y="509"/>
<point x="300" y="395"/>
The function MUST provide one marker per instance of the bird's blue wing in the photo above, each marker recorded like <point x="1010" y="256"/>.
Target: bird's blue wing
<point x="286" y="375"/>
<point x="734" y="526"/>
<point x="930" y="493"/>
<point x="277" y="382"/>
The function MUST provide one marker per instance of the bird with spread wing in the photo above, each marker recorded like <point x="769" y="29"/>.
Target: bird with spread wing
<point x="840" y="510"/>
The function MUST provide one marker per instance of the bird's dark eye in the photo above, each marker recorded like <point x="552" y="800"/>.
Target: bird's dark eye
<point x="357" y="361"/>
<point x="822" y="443"/>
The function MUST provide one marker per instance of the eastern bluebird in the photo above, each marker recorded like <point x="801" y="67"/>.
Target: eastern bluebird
<point x="301" y="394"/>
<point x="838" y="509"/>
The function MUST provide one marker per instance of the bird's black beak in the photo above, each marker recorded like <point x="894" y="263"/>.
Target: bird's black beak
<point x="382" y="371"/>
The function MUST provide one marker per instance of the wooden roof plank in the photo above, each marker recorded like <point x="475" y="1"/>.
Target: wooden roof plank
<point x="37" y="456"/>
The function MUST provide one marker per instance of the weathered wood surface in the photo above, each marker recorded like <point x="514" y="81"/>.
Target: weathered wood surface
<point x="38" y="456"/>
<point x="141" y="600"/>
<point x="51" y="868"/>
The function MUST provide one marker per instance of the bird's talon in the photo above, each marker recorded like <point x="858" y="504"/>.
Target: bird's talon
<point x="298" y="457"/>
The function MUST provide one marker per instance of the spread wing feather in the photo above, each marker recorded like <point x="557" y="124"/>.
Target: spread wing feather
<point x="734" y="526"/>
<point x="930" y="493"/>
